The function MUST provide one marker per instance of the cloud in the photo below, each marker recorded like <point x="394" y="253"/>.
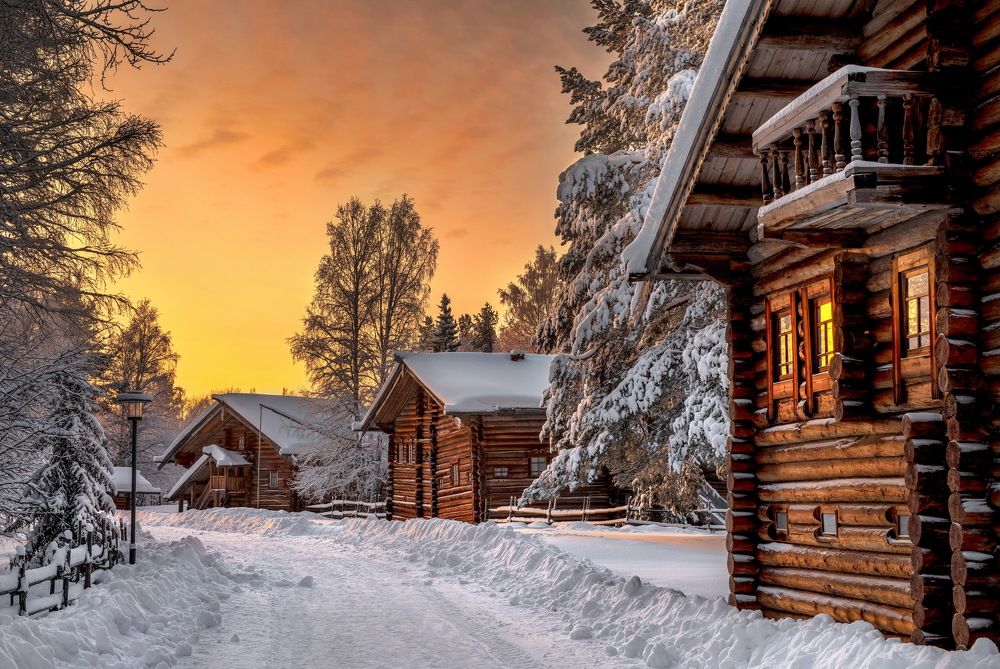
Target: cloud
<point x="457" y="233"/>
<point x="283" y="154"/>
<point x="220" y="137"/>
<point x="333" y="173"/>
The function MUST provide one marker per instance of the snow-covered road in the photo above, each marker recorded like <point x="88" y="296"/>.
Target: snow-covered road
<point x="362" y="611"/>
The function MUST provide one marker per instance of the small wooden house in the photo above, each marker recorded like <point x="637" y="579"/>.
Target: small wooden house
<point x="837" y="169"/>
<point x="239" y="452"/>
<point x="147" y="493"/>
<point x="464" y="434"/>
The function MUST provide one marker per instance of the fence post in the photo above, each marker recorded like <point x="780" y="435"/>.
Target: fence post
<point x="548" y="512"/>
<point x="22" y="580"/>
<point x="88" y="563"/>
<point x="510" y="509"/>
<point x="586" y="503"/>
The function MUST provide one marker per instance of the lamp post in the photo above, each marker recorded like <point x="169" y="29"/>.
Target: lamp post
<point x="133" y="401"/>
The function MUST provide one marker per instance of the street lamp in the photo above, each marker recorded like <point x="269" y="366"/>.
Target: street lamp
<point x="132" y="401"/>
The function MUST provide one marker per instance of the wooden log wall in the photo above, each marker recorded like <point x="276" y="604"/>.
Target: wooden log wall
<point x="972" y="389"/>
<point x="409" y="429"/>
<point x="509" y="442"/>
<point x="454" y="447"/>
<point x="741" y="522"/>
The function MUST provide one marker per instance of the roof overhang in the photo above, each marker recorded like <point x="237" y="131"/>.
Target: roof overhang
<point x="736" y="33"/>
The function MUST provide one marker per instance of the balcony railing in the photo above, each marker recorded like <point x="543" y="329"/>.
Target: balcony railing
<point x="883" y="125"/>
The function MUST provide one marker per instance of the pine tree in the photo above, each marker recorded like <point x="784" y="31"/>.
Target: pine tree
<point x="425" y="342"/>
<point x="486" y="329"/>
<point x="74" y="486"/>
<point x="466" y="333"/>
<point x="445" y="328"/>
<point x="639" y="384"/>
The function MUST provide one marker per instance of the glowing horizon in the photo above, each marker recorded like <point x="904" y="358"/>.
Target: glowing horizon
<point x="271" y="118"/>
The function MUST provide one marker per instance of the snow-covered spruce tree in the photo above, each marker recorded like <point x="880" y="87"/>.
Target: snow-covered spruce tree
<point x="73" y="487"/>
<point x="639" y="386"/>
<point x="445" y="327"/>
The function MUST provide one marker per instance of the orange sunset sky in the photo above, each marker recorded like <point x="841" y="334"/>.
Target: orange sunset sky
<point x="273" y="112"/>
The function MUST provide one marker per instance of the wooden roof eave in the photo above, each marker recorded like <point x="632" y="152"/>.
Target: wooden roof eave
<point x="201" y="422"/>
<point x="700" y="121"/>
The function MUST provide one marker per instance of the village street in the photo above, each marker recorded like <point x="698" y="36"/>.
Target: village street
<point x="362" y="610"/>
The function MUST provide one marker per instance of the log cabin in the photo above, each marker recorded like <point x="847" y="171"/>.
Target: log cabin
<point x="147" y="493"/>
<point x="464" y="435"/>
<point x="837" y="170"/>
<point x="239" y="452"/>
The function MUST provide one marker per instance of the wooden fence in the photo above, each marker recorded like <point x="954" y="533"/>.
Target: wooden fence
<point x="615" y="515"/>
<point x="85" y="551"/>
<point x="345" y="508"/>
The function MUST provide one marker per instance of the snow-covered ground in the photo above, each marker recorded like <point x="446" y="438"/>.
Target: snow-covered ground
<point x="297" y="591"/>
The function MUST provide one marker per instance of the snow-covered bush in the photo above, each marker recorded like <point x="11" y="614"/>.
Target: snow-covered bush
<point x="639" y="386"/>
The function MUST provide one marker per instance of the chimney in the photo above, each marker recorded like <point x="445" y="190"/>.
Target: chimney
<point x="517" y="354"/>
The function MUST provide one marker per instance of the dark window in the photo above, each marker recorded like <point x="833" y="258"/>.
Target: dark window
<point x="903" y="527"/>
<point x="822" y="313"/>
<point x="781" y="521"/>
<point x="916" y="292"/>
<point x="455" y="474"/>
<point x="243" y="442"/>
<point x="830" y="524"/>
<point x="537" y="466"/>
<point x="500" y="472"/>
<point x="783" y="353"/>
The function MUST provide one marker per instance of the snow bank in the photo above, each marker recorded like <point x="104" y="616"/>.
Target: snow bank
<point x="242" y="521"/>
<point x="662" y="627"/>
<point x="146" y="615"/>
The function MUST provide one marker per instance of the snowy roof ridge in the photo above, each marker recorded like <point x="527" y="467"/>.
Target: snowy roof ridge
<point x="470" y="382"/>
<point x="734" y="36"/>
<point x="279" y="418"/>
<point x="187" y="476"/>
<point x="224" y="457"/>
<point x="122" y="479"/>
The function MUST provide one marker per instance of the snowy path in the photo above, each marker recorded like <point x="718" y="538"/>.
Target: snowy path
<point x="365" y="612"/>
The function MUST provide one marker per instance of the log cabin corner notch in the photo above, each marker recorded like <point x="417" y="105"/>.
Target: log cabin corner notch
<point x="239" y="452"/>
<point x="464" y="434"/>
<point x="864" y="302"/>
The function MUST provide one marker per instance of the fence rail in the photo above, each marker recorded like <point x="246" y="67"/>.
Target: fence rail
<point x="347" y="508"/>
<point x="72" y="567"/>
<point x="615" y="515"/>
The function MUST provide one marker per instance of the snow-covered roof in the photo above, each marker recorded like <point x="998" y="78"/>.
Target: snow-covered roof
<point x="223" y="457"/>
<point x="734" y="36"/>
<point x="468" y="383"/>
<point x="280" y="419"/>
<point x="122" y="478"/>
<point x="188" y="475"/>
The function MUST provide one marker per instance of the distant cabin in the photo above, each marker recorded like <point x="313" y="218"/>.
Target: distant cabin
<point x="464" y="434"/>
<point x="239" y="452"/>
<point x="147" y="493"/>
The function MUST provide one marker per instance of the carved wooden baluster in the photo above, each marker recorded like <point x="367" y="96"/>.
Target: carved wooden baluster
<point x="765" y="179"/>
<point x="786" y="182"/>
<point x="800" y="172"/>
<point x="824" y="147"/>
<point x="811" y="152"/>
<point x="882" y="134"/>
<point x="856" y="153"/>
<point x="908" y="129"/>
<point x="838" y="149"/>
<point x="776" y="179"/>
<point x="935" y="140"/>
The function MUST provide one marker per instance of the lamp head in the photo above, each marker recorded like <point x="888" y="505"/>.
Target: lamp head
<point x="133" y="401"/>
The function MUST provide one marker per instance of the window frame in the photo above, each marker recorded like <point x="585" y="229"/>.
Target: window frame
<point x="456" y="474"/>
<point x="903" y="266"/>
<point x="903" y="526"/>
<point x="799" y="303"/>
<point x="779" y="526"/>
<point x="824" y="531"/>
<point x="531" y="465"/>
<point x="498" y="469"/>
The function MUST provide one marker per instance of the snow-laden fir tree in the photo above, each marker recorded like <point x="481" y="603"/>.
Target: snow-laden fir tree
<point x="639" y="386"/>
<point x="485" y="338"/>
<point x="445" y="327"/>
<point x="72" y="487"/>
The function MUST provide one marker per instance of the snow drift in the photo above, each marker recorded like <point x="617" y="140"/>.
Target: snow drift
<point x="658" y="626"/>
<point x="146" y="615"/>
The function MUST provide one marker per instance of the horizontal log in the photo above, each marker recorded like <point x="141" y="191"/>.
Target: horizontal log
<point x="839" y="608"/>
<point x="875" y="589"/>
<point x="971" y="510"/>
<point x="974" y="570"/>
<point x="972" y="539"/>
<point x="835" y="560"/>
<point x="967" y="631"/>
<point x="836" y="490"/>
<point x="841" y="468"/>
<point x="976" y="601"/>
<point x="825" y="429"/>
<point x="969" y="456"/>
<point x="856" y="447"/>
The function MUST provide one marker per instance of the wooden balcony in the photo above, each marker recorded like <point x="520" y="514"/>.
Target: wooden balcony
<point x="859" y="150"/>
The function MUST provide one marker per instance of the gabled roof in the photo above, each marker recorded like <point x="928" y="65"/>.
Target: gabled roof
<point x="122" y="478"/>
<point x="462" y="383"/>
<point x="280" y="419"/>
